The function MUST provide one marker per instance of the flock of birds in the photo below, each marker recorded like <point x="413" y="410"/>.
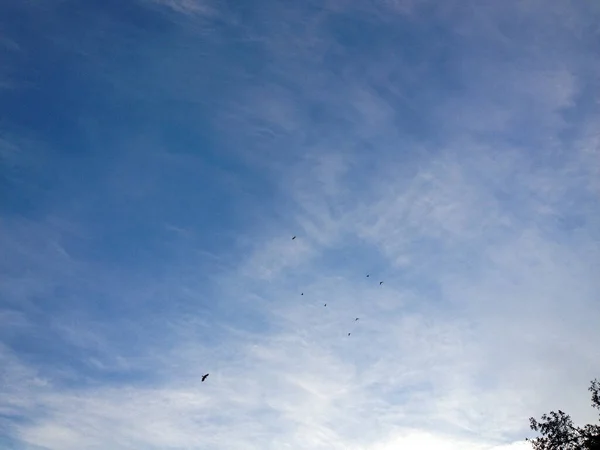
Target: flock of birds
<point x="302" y="293"/>
<point x="358" y="318"/>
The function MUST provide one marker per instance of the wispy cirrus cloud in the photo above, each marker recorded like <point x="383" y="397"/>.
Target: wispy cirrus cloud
<point x="442" y="149"/>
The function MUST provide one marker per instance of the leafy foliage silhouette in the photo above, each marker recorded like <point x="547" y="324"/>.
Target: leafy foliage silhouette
<point x="558" y="432"/>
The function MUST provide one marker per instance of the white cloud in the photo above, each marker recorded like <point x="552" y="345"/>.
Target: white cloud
<point x="415" y="440"/>
<point x="486" y="315"/>
<point x="189" y="7"/>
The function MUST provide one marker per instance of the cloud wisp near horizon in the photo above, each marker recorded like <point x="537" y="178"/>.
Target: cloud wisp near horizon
<point x="157" y="156"/>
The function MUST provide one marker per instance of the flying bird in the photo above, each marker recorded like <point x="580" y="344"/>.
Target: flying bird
<point x="348" y="334"/>
<point x="204" y="377"/>
<point x="302" y="293"/>
<point x="325" y="304"/>
<point x="293" y="238"/>
<point x="356" y="320"/>
<point x="367" y="275"/>
<point x="380" y="283"/>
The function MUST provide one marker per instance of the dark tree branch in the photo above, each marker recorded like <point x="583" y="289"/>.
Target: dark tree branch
<point x="558" y="432"/>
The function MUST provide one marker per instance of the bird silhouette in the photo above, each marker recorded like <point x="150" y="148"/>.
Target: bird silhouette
<point x="367" y="275"/>
<point x="302" y="293"/>
<point x="356" y="320"/>
<point x="204" y="377"/>
<point x="293" y="238"/>
<point x="380" y="283"/>
<point x="325" y="304"/>
<point x="348" y="334"/>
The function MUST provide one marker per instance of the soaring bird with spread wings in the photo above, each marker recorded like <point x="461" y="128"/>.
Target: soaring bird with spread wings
<point x="204" y="377"/>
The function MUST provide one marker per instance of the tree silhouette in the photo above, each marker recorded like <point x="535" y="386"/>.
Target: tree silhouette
<point x="558" y="432"/>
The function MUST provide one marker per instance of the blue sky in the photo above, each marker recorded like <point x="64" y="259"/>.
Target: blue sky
<point x="157" y="156"/>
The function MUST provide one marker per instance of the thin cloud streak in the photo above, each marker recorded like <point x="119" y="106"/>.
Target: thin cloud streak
<point x="486" y="241"/>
